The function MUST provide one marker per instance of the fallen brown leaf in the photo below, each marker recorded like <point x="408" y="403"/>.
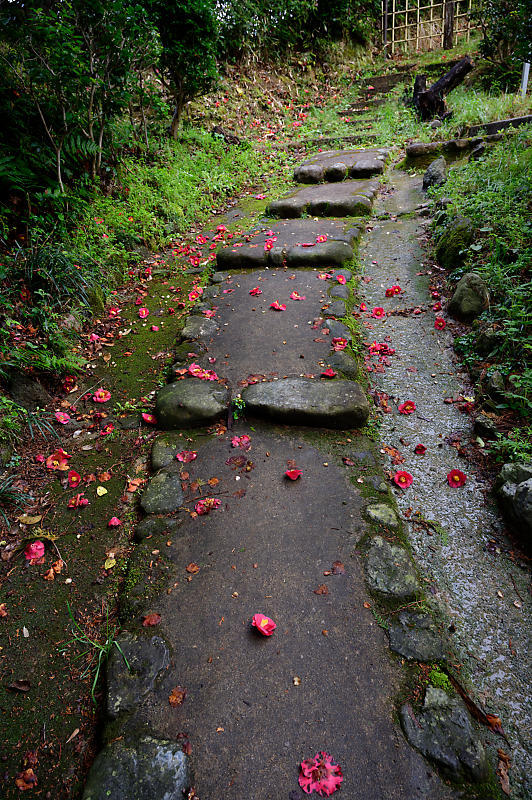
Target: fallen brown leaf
<point x="26" y="780"/>
<point x="20" y="686"/>
<point x="502" y="770"/>
<point x="177" y="696"/>
<point x="322" y="589"/>
<point x="338" y="568"/>
<point x="192" y="568"/>
<point x="149" y="620"/>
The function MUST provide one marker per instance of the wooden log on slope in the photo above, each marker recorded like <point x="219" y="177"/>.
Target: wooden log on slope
<point x="431" y="102"/>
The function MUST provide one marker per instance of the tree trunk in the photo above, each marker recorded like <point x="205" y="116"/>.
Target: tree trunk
<point x="176" y="119"/>
<point x="448" y="24"/>
<point x="430" y="102"/>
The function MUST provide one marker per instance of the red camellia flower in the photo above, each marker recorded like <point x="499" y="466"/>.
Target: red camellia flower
<point x="69" y="383"/>
<point x="456" y="478"/>
<point x="403" y="479"/>
<point x="185" y="456"/>
<point x="420" y="449"/>
<point x="363" y="307"/>
<point x="389" y="293"/>
<point x="293" y="474"/>
<point x="58" y="460"/>
<point x="62" y="417"/>
<point x="321" y="238"/>
<point x="407" y="407"/>
<point x="150" y="419"/>
<point x="143" y="312"/>
<point x="78" y="501"/>
<point x="378" y="312"/>
<point x="338" y="343"/>
<point x="297" y="296"/>
<point x="255" y="291"/>
<point x="114" y="311"/>
<point x="109" y="428"/>
<point x="329" y="373"/>
<point x="34" y="550"/>
<point x="278" y="306"/>
<point x="439" y="323"/>
<point x="320" y="775"/>
<point x="436" y="306"/>
<point x="341" y="279"/>
<point x="74" y="478"/>
<point x="206" y="505"/>
<point x="263" y="624"/>
<point x="243" y="441"/>
<point x="114" y="522"/>
<point x="154" y="328"/>
<point x="101" y="396"/>
<point x="396" y="289"/>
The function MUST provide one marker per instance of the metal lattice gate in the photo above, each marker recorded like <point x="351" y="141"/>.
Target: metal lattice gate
<point x="425" y="25"/>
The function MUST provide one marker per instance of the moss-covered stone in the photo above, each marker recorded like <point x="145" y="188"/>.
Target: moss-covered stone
<point x="455" y="239"/>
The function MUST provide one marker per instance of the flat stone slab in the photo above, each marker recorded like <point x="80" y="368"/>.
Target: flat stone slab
<point x="163" y="494"/>
<point x="383" y="514"/>
<point x="306" y="401"/>
<point x="390" y="571"/>
<point x="336" y="308"/>
<point x="414" y="636"/>
<point x="443" y="732"/>
<point x="346" y="199"/>
<point x="336" y="165"/>
<point x="190" y="402"/>
<point x="145" y="769"/>
<point x="296" y="245"/>
<point x="148" y="657"/>
<point x="200" y="328"/>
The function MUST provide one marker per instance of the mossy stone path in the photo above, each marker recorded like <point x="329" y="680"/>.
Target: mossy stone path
<point x="249" y="708"/>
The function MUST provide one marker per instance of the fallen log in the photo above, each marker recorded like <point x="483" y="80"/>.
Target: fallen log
<point x="430" y="103"/>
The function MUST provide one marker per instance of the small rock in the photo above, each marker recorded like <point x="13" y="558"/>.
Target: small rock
<point x="199" y="328"/>
<point x="336" y="309"/>
<point x="144" y="769"/>
<point x="340" y="291"/>
<point x="494" y="386"/>
<point x="436" y="123"/>
<point x="513" y="488"/>
<point x="485" y="427"/>
<point x="338" y="330"/>
<point x="415" y="636"/>
<point x="211" y="292"/>
<point x="436" y="174"/>
<point x="452" y="245"/>
<point x="163" y="453"/>
<point x="163" y="494"/>
<point x="390" y="571"/>
<point x="335" y="172"/>
<point x="344" y="363"/>
<point x="486" y="341"/>
<point x="218" y="277"/>
<point x="306" y="401"/>
<point x="477" y="152"/>
<point x="28" y="392"/>
<point x="522" y="506"/>
<point x="156" y="526"/>
<point x="190" y="402"/>
<point x="383" y="514"/>
<point x="443" y="733"/>
<point x="470" y="297"/>
<point x="148" y="657"/>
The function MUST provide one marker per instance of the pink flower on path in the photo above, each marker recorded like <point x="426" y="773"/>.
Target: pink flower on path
<point x="320" y="775"/>
<point x="74" y="478"/>
<point x="378" y="312"/>
<point x="144" y="312"/>
<point x="321" y="238"/>
<point x="263" y="624"/>
<point x="114" y="522"/>
<point x="439" y="323"/>
<point x="209" y="313"/>
<point x="79" y="501"/>
<point x="456" y="478"/>
<point x="255" y="291"/>
<point x="185" y="456"/>
<point x="341" y="279"/>
<point x="408" y="407"/>
<point x="278" y="306"/>
<point x="62" y="417"/>
<point x="420" y="449"/>
<point x="329" y="373"/>
<point x="338" y="343"/>
<point x="241" y="441"/>
<point x="297" y="296"/>
<point x="293" y="474"/>
<point x="101" y="396"/>
<point x="403" y="479"/>
<point x="114" y="311"/>
<point x="34" y="550"/>
<point x="150" y="419"/>
<point x="363" y="307"/>
<point x="206" y="505"/>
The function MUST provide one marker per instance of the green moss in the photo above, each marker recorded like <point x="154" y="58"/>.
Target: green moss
<point x="440" y="680"/>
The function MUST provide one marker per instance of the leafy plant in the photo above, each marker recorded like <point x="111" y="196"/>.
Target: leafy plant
<point x="11" y="495"/>
<point x="97" y="650"/>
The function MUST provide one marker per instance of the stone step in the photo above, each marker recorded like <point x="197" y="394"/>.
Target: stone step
<point x="336" y="165"/>
<point x="307" y="401"/>
<point x="345" y="199"/>
<point x="292" y="243"/>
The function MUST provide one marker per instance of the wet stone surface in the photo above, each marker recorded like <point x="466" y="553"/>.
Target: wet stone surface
<point x="415" y="636"/>
<point x="127" y="686"/>
<point x="336" y="165"/>
<point x="346" y="199"/>
<point x="163" y="494"/>
<point x="390" y="571"/>
<point x="190" y="402"/>
<point x="383" y="514"/>
<point x="144" y="768"/>
<point x="443" y="732"/>
<point x="305" y="401"/>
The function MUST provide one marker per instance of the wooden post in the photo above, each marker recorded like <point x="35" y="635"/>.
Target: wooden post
<point x="448" y="24"/>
